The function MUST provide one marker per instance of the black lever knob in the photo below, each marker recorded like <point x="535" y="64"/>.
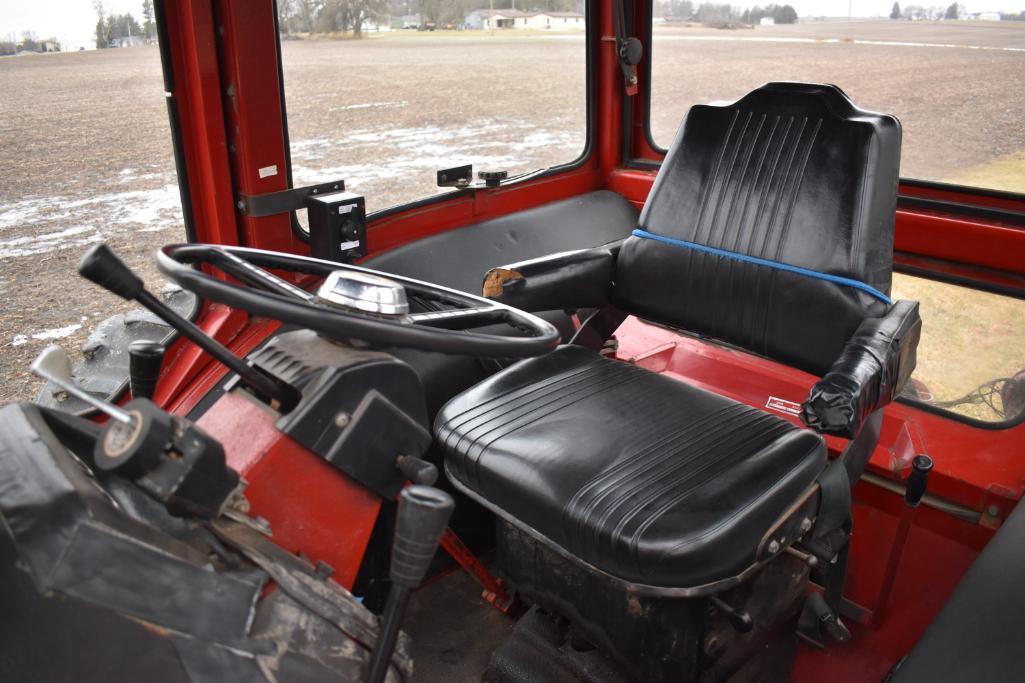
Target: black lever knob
<point x="423" y="515"/>
<point x="144" y="361"/>
<point x="918" y="480"/>
<point x="424" y="512"/>
<point x="102" y="266"/>
<point x="417" y="470"/>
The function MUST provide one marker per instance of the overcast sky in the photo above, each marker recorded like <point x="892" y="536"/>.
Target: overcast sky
<point x="73" y="21"/>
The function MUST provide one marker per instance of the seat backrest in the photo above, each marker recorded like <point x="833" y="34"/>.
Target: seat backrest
<point x="770" y="224"/>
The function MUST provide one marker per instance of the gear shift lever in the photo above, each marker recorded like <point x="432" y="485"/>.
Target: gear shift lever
<point x="423" y="515"/>
<point x="102" y="266"/>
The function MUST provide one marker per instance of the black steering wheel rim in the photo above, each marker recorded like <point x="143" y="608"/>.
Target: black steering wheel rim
<point x="176" y="261"/>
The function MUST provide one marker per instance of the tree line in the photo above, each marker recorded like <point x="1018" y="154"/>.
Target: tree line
<point x="723" y="15"/>
<point x="953" y="11"/>
<point x="113" y="30"/>
<point x="28" y="43"/>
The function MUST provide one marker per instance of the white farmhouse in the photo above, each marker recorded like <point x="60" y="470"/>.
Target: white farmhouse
<point x="488" y="19"/>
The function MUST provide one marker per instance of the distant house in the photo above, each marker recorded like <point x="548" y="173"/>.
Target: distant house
<point x="767" y="21"/>
<point x="488" y="19"/>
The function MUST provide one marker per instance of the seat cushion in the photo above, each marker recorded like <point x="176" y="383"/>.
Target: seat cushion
<point x="641" y="476"/>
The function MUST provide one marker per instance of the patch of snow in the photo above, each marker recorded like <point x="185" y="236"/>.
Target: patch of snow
<point x="129" y="211"/>
<point x="372" y="105"/>
<point x="19" y="339"/>
<point x="58" y="332"/>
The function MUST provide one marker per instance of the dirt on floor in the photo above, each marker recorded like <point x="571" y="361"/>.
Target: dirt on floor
<point x="86" y="153"/>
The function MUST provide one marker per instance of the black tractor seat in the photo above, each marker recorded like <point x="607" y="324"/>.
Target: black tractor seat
<point x="644" y="478"/>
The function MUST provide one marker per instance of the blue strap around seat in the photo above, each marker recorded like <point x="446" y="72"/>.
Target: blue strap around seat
<point x="836" y="279"/>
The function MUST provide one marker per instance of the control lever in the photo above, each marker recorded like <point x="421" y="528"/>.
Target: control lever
<point x="54" y="366"/>
<point x="166" y="456"/>
<point x="914" y="491"/>
<point x="417" y="470"/>
<point x="423" y="514"/>
<point x="169" y="458"/>
<point x="144" y="360"/>
<point x="918" y="480"/>
<point x="102" y="266"/>
<point x="739" y="619"/>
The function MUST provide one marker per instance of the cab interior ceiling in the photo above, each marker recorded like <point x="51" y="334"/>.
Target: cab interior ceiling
<point x="454" y="239"/>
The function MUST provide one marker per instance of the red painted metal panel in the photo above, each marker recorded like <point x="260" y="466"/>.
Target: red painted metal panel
<point x="197" y="83"/>
<point x="249" y="67"/>
<point x="961" y="240"/>
<point x="312" y="507"/>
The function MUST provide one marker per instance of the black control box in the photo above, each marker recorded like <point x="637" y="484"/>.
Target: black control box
<point x="338" y="226"/>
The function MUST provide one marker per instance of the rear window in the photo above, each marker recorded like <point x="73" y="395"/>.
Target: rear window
<point x="952" y="75"/>
<point x="971" y="359"/>
<point x="503" y="90"/>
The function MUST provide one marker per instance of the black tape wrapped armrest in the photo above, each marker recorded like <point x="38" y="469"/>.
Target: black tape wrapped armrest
<point x="873" y="367"/>
<point x="568" y="280"/>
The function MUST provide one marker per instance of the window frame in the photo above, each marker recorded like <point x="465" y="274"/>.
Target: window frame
<point x="591" y="39"/>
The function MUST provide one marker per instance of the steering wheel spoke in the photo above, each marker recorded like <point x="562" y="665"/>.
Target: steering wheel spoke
<point x="255" y="276"/>
<point x="460" y="318"/>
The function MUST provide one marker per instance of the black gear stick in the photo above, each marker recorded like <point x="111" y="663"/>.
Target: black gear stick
<point x="423" y="515"/>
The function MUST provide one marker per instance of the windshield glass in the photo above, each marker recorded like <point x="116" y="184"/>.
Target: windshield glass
<point x="952" y="74"/>
<point x="427" y="87"/>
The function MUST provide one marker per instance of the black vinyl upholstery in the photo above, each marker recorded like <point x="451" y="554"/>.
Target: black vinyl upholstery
<point x="794" y="173"/>
<point x="978" y="634"/>
<point x="647" y="479"/>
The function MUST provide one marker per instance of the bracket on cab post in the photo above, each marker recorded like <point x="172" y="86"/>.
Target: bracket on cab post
<point x="337" y="219"/>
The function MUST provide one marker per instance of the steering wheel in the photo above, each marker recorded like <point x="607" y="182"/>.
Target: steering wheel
<point x="444" y="330"/>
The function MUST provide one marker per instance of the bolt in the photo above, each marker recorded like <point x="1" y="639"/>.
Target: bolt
<point x="773" y="547"/>
<point x="712" y="646"/>
<point x="342" y="420"/>
<point x="805" y="525"/>
<point x="993" y="511"/>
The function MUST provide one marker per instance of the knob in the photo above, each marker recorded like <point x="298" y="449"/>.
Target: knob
<point x="492" y="178"/>
<point x="417" y="470"/>
<point x="918" y="480"/>
<point x="144" y="361"/>
<point x="422" y="518"/>
<point x="423" y="515"/>
<point x="102" y="266"/>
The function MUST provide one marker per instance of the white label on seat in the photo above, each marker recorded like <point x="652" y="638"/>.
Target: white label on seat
<point x="783" y="406"/>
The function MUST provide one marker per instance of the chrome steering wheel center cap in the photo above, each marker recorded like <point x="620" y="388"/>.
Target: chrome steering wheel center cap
<point x="365" y="293"/>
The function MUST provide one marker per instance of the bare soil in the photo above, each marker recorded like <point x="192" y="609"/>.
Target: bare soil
<point x="86" y="155"/>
